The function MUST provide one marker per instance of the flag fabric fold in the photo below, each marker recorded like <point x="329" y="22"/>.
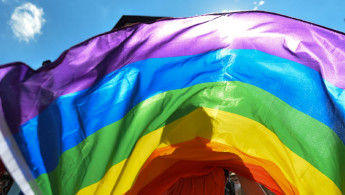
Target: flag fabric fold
<point x="140" y="109"/>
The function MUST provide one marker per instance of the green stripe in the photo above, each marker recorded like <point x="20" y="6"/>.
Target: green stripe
<point x="88" y="162"/>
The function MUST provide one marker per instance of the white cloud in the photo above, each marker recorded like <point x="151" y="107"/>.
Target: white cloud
<point x="257" y="5"/>
<point x="27" y="21"/>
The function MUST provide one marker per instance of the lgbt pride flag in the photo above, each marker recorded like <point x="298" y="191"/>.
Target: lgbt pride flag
<point x="138" y="109"/>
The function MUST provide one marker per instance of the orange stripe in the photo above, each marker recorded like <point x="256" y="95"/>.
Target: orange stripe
<point x="198" y="157"/>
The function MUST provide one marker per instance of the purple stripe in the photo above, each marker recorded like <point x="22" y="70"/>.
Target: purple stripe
<point x="83" y="65"/>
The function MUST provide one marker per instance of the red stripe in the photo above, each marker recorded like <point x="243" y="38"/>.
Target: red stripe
<point x="198" y="157"/>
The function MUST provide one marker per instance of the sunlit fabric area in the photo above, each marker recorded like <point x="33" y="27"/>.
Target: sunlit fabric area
<point x="230" y="103"/>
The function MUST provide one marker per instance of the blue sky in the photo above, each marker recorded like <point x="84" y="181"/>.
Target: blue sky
<point x="35" y="30"/>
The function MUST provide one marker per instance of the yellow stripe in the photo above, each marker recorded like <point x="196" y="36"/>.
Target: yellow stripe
<point x="230" y="129"/>
<point x="105" y="186"/>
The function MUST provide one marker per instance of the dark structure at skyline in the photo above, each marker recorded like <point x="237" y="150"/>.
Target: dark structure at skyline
<point x="127" y="20"/>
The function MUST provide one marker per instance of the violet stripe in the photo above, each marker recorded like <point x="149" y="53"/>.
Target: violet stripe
<point x="83" y="65"/>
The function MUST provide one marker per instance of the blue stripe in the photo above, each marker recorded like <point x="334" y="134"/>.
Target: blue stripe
<point x="73" y="117"/>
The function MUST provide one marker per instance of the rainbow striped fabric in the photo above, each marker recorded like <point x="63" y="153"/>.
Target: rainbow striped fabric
<point x="133" y="110"/>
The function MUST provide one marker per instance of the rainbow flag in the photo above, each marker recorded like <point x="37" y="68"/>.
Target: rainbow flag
<point x="133" y="111"/>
